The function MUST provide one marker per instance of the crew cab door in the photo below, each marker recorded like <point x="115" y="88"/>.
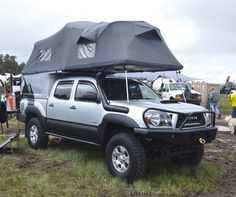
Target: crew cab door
<point x="58" y="107"/>
<point x="74" y="110"/>
<point x="86" y="110"/>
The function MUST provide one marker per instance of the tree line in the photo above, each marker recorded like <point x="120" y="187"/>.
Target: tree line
<point x="8" y="64"/>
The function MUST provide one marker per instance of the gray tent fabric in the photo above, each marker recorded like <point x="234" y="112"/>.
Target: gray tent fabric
<point x="87" y="46"/>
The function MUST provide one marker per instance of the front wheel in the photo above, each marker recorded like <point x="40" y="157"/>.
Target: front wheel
<point x="125" y="157"/>
<point x="35" y="135"/>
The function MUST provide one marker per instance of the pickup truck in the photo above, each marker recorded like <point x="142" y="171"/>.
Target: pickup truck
<point x="97" y="110"/>
<point x="174" y="90"/>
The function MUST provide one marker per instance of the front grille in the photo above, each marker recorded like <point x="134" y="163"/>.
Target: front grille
<point x="195" y="120"/>
<point x="194" y="96"/>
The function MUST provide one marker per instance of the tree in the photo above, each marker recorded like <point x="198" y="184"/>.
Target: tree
<point x="8" y="63"/>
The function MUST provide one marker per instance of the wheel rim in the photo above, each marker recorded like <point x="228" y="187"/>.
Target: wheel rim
<point x="120" y="159"/>
<point x="33" y="134"/>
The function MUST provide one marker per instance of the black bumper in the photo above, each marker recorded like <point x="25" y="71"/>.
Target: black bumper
<point x="181" y="137"/>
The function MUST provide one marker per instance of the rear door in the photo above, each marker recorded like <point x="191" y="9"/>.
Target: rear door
<point x="58" y="107"/>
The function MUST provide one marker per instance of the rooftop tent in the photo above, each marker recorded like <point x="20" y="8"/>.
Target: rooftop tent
<point x="89" y="46"/>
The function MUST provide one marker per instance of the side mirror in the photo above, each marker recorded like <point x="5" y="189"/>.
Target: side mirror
<point x="91" y="96"/>
<point x="163" y="90"/>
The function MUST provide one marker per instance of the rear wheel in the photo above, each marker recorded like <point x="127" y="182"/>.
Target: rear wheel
<point x="35" y="135"/>
<point x="125" y="157"/>
<point x="192" y="159"/>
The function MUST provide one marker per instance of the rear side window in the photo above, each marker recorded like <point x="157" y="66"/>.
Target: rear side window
<point x="63" y="90"/>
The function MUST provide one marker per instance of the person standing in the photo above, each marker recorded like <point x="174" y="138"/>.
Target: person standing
<point x="187" y="94"/>
<point x="214" y="98"/>
<point x="232" y="98"/>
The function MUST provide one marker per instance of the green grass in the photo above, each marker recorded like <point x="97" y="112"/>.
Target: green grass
<point x="224" y="104"/>
<point x="74" y="169"/>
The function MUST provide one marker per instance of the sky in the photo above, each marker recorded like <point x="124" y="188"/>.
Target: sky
<point x="200" y="33"/>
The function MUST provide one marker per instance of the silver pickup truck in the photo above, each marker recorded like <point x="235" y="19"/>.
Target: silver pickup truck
<point x="95" y="110"/>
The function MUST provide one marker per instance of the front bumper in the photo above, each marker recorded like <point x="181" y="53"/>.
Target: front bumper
<point x="180" y="137"/>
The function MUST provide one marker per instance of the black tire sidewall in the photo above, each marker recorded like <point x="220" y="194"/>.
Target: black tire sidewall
<point x="131" y="146"/>
<point x="42" y="137"/>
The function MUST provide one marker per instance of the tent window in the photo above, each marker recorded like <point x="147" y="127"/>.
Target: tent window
<point x="86" y="50"/>
<point x="45" y="54"/>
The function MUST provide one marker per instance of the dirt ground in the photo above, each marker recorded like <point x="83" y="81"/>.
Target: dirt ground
<point x="223" y="151"/>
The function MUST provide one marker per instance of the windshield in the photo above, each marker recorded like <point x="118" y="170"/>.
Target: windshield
<point x="179" y="86"/>
<point x="115" y="89"/>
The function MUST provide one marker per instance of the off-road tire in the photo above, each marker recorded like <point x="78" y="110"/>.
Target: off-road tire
<point x="35" y="134"/>
<point x="191" y="159"/>
<point x="136" y="153"/>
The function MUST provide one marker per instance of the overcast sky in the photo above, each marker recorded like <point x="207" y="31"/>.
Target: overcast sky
<point x="200" y="33"/>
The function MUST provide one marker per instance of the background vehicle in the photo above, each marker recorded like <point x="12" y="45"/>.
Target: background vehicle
<point x="227" y="87"/>
<point x="173" y="90"/>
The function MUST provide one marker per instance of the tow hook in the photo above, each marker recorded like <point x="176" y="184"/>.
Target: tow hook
<point x="202" y="141"/>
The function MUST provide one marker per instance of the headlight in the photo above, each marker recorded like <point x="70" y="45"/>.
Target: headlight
<point x="154" y="119"/>
<point x="208" y="118"/>
<point x="179" y="97"/>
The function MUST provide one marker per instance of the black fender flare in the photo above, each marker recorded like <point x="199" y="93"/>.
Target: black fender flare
<point x="115" y="119"/>
<point x="34" y="110"/>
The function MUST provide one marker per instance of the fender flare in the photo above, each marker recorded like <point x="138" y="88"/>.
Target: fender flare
<point x="34" y="110"/>
<point x="115" y="119"/>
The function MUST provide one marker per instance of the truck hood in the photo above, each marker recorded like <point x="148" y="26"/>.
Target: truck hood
<point x="173" y="107"/>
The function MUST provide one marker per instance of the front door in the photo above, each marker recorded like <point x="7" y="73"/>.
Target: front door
<point x="84" y="113"/>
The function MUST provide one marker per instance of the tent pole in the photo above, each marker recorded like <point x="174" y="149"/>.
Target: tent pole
<point x="126" y="83"/>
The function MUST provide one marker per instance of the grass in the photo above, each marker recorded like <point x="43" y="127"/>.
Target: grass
<point x="74" y="169"/>
<point x="224" y="104"/>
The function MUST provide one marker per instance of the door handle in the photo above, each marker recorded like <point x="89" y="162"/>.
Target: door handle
<point x="73" y="107"/>
<point x="51" y="105"/>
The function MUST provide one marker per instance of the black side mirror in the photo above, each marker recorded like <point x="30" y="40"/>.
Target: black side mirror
<point x="91" y="96"/>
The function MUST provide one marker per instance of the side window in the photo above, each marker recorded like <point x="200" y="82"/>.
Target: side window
<point x="82" y="89"/>
<point x="134" y="91"/>
<point x="63" y="90"/>
<point x="114" y="89"/>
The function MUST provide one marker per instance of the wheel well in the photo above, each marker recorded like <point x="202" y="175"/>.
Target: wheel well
<point x="29" y="116"/>
<point x="112" y="129"/>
